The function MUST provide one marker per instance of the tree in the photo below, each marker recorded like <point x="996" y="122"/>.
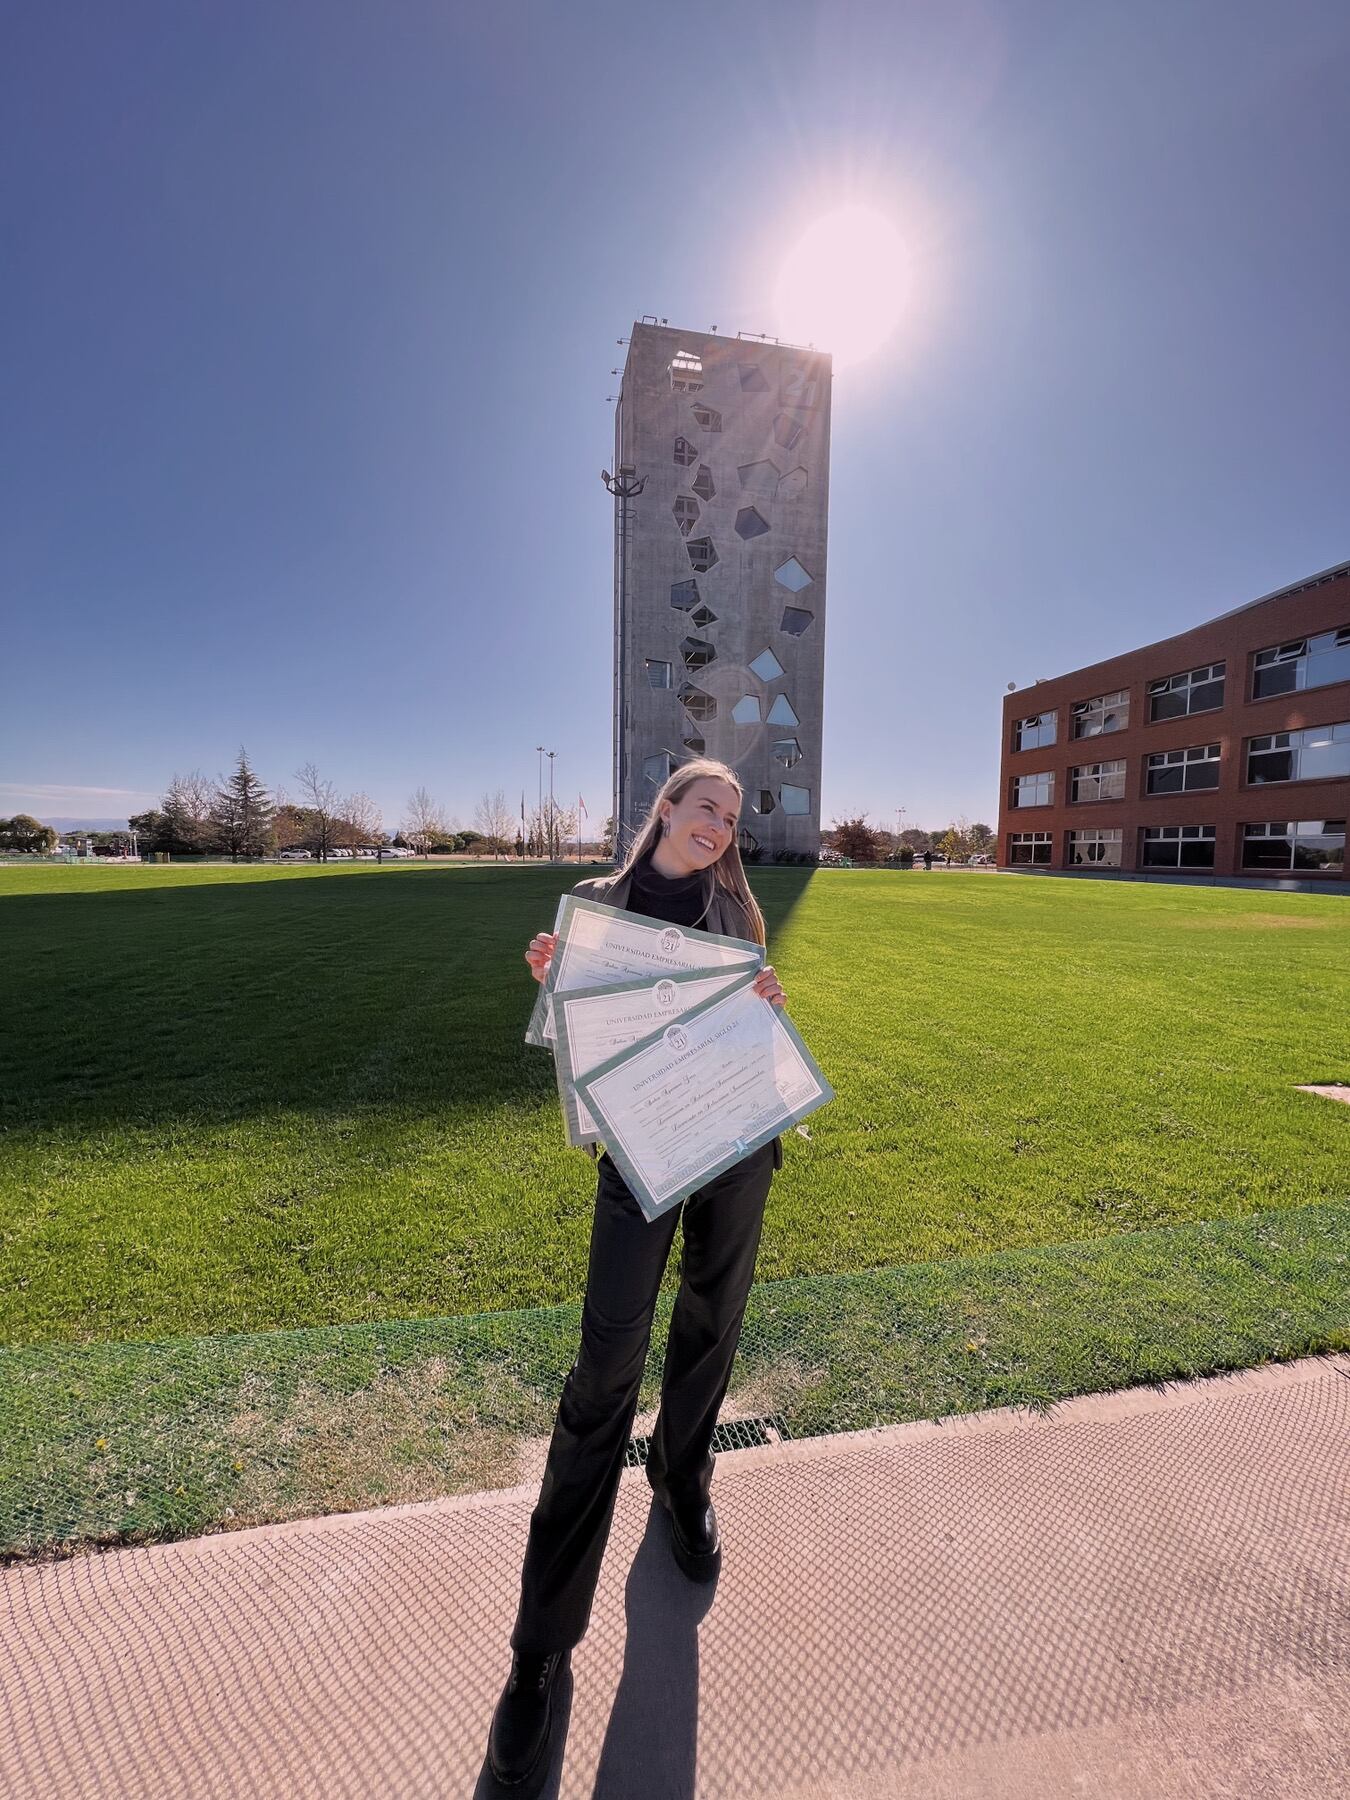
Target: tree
<point x="492" y="816"/>
<point x="363" y="820"/>
<point x="24" y="832"/>
<point x="915" y="839"/>
<point x="242" y="812"/>
<point x="981" y="838"/>
<point x="953" y="843"/>
<point x="321" y="806"/>
<point x="189" y="811"/>
<point x="422" y="821"/>
<point x="607" y="839"/>
<point x="856" y="838"/>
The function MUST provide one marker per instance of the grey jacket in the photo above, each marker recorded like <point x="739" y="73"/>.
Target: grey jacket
<point x="724" y="917"/>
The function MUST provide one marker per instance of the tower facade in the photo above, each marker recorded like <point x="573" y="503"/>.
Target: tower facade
<point x="719" y="575"/>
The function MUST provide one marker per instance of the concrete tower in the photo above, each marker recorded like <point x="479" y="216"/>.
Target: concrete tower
<point x="719" y="574"/>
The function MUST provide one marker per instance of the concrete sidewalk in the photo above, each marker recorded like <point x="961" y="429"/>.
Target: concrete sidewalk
<point x="1145" y="1594"/>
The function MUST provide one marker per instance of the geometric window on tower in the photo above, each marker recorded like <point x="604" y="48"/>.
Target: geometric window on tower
<point x="792" y="576"/>
<point x="686" y="372"/>
<point x="684" y="595"/>
<point x="686" y="512"/>
<point x="781" y="713"/>
<point x="794" y="482"/>
<point x="750" y="524"/>
<point x="685" y="453"/>
<point x="697" y="652"/>
<point x="701" y="553"/>
<point x="788" y="752"/>
<point x="765" y="803"/>
<point x="767" y="666"/>
<point x="708" y="418"/>
<point x="702" y="617"/>
<point x="696" y="703"/>
<point x="656" y="768"/>
<point x="694" y="745"/>
<point x="752" y="381"/>
<point x="795" y="799"/>
<point x="787" y="431"/>
<point x="759" y="478"/>
<point x="795" y="620"/>
<point x="702" y="483"/>
<point x="746" y="711"/>
<point x="658" y="673"/>
<point x="799" y="387"/>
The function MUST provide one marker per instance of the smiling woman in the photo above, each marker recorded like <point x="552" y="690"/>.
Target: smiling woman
<point x="845" y="284"/>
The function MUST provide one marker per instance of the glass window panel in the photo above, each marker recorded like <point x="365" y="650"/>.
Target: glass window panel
<point x="792" y="576"/>
<point x="658" y="673"/>
<point x="1279" y="678"/>
<point x="1321" y="754"/>
<point x="792" y="484"/>
<point x="746" y="710"/>
<point x="795" y="799"/>
<point x="685" y="453"/>
<point x="767" y="666"/>
<point x="684" y="595"/>
<point x="750" y="523"/>
<point x="788" y="752"/>
<point x="781" y="713"/>
<point x="1331" y="664"/>
<point x="752" y="379"/>
<point x="795" y="620"/>
<point x="765" y="803"/>
<point x="1035" y="733"/>
<point x="702" y="483"/>
<point x="759" y="478"/>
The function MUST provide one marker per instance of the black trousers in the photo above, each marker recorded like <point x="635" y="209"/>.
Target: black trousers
<point x="570" y="1524"/>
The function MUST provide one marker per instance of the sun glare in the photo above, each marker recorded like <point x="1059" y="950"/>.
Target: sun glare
<point x="844" y="285"/>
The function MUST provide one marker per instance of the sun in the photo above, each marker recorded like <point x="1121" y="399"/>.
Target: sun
<point x="844" y="285"/>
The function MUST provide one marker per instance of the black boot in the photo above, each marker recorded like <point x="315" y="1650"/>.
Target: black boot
<point x="521" y="1734"/>
<point x="694" y="1536"/>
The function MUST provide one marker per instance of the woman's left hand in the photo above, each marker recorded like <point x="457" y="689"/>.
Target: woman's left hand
<point x="766" y="984"/>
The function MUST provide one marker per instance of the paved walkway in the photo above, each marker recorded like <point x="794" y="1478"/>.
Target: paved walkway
<point x="1145" y="1595"/>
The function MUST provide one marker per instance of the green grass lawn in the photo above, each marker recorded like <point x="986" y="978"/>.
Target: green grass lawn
<point x="239" y="1099"/>
<point x="287" y="1224"/>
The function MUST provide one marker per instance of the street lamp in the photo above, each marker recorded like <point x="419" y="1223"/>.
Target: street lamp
<point x="626" y="485"/>
<point x="552" y="816"/>
<point x="539" y="815"/>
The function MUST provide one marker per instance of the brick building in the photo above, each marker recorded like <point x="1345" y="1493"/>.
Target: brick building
<point x="1225" y="749"/>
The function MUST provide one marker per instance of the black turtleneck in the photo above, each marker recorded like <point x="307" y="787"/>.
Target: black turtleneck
<point x="678" y="899"/>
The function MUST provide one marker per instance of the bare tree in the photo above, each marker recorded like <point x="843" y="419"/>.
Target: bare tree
<point x="493" y="817"/>
<point x="188" y="805"/>
<point x="422" y="821"/>
<point x="320" y="800"/>
<point x="363" y="819"/>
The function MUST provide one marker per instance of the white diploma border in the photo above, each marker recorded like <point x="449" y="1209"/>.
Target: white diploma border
<point x="654" y="1205"/>
<point x="666" y="1009"/>
<point x="571" y="905"/>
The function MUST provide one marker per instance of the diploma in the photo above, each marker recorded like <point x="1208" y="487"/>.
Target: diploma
<point x="534" y="1031"/>
<point x="594" y="1024"/>
<point x="678" y="1108"/>
<point x="601" y="945"/>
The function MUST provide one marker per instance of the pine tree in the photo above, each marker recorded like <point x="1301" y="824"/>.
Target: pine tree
<point x="242" y="812"/>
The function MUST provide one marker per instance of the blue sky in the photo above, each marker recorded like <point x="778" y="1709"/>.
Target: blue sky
<point x="309" y="313"/>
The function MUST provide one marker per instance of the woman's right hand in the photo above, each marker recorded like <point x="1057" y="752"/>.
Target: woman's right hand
<point x="540" y="953"/>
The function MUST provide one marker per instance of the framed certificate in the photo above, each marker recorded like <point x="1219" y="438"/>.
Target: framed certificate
<point x="680" y="1107"/>
<point x="595" y="1023"/>
<point x="601" y="945"/>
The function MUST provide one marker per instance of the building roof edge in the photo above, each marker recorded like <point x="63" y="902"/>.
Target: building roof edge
<point x="1283" y="593"/>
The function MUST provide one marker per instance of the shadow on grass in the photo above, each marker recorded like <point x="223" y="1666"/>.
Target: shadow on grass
<point x="220" y="1000"/>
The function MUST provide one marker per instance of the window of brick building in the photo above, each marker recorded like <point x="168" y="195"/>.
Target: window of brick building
<point x="1180" y="771"/>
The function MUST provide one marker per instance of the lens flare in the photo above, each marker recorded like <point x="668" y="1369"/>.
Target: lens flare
<point x="845" y="284"/>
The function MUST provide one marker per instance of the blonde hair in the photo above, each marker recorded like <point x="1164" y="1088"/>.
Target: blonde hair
<point x="728" y="872"/>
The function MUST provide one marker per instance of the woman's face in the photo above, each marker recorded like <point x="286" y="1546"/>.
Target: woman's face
<point x="702" y="821"/>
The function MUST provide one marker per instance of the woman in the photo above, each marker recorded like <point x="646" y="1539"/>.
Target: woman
<point x="684" y="868"/>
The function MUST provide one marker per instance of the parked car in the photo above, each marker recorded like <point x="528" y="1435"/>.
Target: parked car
<point x="295" y="856"/>
<point x="339" y="856"/>
<point x="398" y="850"/>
